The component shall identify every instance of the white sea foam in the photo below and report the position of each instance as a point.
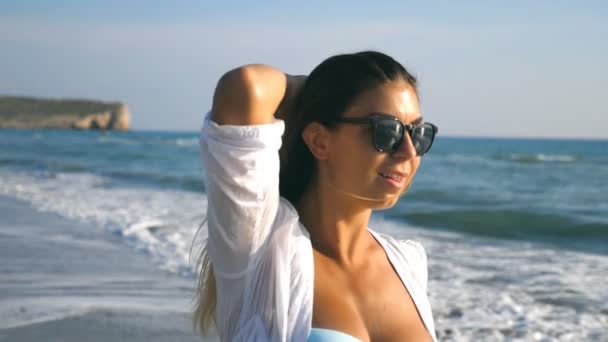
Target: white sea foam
(481, 290)
(135, 213)
(187, 142)
(541, 157)
(556, 158)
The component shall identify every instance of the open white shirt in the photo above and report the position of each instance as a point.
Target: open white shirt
(260, 251)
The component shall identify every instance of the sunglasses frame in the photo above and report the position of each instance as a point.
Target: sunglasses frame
(373, 119)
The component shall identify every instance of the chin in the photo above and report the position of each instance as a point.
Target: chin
(386, 203)
(389, 203)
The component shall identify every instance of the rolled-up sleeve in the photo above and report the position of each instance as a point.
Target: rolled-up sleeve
(241, 178)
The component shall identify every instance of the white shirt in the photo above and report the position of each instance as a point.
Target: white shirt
(261, 253)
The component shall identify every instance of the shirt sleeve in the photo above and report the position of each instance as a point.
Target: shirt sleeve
(241, 179)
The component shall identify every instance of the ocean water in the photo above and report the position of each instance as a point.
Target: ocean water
(516, 230)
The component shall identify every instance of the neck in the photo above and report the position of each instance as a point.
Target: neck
(337, 223)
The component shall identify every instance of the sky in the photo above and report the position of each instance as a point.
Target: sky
(486, 68)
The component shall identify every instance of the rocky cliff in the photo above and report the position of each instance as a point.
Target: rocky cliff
(27, 112)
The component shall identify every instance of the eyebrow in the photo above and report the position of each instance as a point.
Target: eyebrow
(418, 120)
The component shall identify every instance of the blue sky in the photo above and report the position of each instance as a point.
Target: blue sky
(492, 68)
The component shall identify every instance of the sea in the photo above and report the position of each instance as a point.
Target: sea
(516, 233)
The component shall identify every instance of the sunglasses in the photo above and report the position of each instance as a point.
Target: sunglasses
(388, 132)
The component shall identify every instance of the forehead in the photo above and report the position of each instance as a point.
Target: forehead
(395, 98)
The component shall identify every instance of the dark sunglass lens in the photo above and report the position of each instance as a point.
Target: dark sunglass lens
(387, 134)
(422, 138)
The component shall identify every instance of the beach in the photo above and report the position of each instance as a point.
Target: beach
(96, 233)
(61, 280)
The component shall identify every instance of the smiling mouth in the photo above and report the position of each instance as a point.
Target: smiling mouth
(392, 176)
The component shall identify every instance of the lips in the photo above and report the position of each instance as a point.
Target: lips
(393, 175)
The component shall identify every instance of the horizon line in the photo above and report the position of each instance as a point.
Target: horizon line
(449, 136)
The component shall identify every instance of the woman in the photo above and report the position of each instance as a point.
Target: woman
(290, 256)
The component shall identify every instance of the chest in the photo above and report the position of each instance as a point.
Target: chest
(369, 302)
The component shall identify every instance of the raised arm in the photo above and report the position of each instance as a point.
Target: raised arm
(239, 144)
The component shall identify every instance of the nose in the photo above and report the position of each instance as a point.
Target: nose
(406, 148)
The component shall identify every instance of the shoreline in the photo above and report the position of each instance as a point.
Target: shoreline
(64, 281)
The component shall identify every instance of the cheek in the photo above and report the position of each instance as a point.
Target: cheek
(361, 158)
(415, 163)
(355, 160)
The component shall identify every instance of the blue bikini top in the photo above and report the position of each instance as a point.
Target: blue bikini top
(327, 335)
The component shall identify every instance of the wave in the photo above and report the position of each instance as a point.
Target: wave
(115, 140)
(15, 314)
(187, 142)
(538, 158)
(509, 223)
(436, 197)
(171, 141)
(50, 168)
(42, 165)
(191, 183)
(159, 222)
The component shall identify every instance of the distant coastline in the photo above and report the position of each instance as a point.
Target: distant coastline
(32, 113)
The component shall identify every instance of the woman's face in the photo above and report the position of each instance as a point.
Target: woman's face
(355, 167)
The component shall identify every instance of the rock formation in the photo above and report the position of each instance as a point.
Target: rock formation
(28, 113)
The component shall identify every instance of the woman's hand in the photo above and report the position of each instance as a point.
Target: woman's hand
(293, 86)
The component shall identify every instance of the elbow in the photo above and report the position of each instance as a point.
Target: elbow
(235, 98)
(241, 79)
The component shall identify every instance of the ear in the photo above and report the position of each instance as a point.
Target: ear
(316, 137)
